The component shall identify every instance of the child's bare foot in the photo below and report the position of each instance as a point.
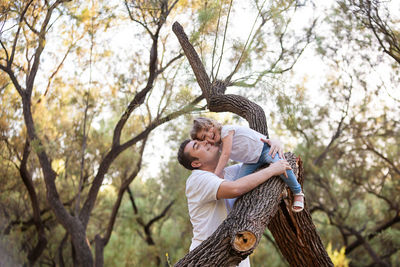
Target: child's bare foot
(298, 204)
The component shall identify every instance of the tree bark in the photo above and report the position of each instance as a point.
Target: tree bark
(35, 252)
(99, 250)
(240, 233)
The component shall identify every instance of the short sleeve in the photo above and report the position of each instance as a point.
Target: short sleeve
(226, 129)
(203, 187)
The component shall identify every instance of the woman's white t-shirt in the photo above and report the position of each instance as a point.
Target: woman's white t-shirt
(246, 143)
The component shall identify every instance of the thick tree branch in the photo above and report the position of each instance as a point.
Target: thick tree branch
(241, 106)
(101, 242)
(14, 80)
(141, 95)
(216, 100)
(157, 218)
(374, 233)
(122, 189)
(35, 253)
(153, 72)
(378, 261)
(194, 60)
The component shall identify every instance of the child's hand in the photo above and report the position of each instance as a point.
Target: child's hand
(276, 147)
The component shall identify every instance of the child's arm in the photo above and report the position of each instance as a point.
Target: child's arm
(225, 154)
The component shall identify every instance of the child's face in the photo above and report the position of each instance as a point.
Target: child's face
(210, 135)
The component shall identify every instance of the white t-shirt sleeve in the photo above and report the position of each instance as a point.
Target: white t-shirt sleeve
(226, 129)
(203, 187)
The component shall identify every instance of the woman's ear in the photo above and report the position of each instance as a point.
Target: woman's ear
(196, 164)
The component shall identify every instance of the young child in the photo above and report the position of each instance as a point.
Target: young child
(242, 144)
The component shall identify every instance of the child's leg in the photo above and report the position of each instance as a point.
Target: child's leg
(245, 169)
(291, 181)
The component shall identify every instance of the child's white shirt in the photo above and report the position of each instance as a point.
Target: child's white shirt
(246, 143)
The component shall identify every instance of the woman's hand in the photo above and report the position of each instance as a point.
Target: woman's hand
(276, 147)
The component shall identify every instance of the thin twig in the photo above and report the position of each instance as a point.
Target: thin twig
(223, 40)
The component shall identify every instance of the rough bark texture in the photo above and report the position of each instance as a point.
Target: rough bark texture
(294, 233)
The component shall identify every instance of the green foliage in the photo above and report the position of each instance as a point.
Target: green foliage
(267, 254)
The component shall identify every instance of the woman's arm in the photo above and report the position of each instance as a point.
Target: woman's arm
(225, 154)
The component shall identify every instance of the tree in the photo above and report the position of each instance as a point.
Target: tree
(25, 93)
(30, 28)
(375, 16)
(349, 143)
(239, 234)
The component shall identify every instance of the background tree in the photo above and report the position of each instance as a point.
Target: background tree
(375, 16)
(349, 143)
(75, 220)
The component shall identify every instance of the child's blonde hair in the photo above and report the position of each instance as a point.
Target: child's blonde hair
(201, 123)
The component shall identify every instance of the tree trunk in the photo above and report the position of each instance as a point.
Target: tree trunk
(240, 233)
(72, 224)
(296, 235)
(26, 176)
(99, 251)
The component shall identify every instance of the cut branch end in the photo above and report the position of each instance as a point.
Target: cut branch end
(244, 241)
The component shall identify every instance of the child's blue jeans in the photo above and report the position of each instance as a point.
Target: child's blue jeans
(248, 168)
